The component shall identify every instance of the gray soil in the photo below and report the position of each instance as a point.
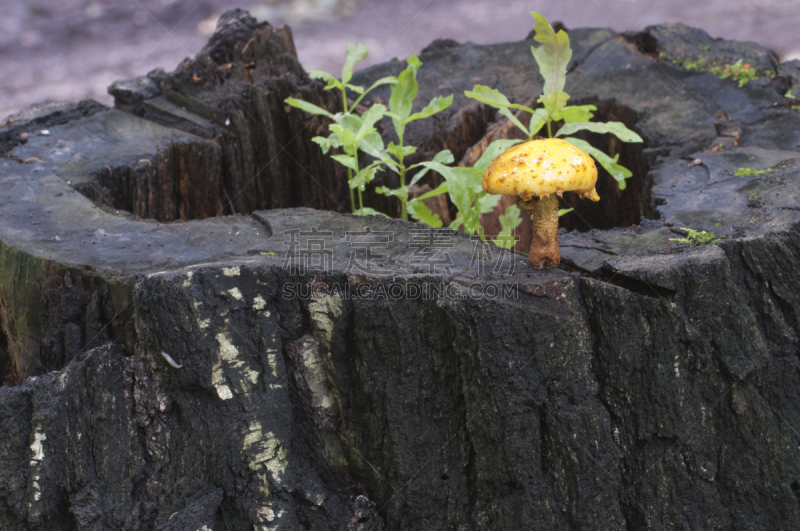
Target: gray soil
(73, 49)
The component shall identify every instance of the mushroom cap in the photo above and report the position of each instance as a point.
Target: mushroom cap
(540, 168)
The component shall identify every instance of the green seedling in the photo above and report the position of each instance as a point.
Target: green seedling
(350, 132)
(553, 56)
(403, 93)
(465, 190)
(697, 238)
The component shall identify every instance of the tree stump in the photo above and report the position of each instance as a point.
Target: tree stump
(288, 366)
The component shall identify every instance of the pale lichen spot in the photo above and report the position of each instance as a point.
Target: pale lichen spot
(230, 356)
(235, 293)
(272, 359)
(220, 383)
(259, 303)
(231, 271)
(37, 447)
(188, 281)
(203, 323)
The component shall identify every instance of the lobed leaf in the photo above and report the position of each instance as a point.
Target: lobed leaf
(493, 98)
(330, 79)
(421, 212)
(308, 107)
(509, 220)
(504, 111)
(439, 190)
(553, 103)
(382, 81)
(617, 171)
(552, 56)
(576, 113)
(345, 160)
(491, 152)
(618, 129)
(355, 54)
(364, 176)
(368, 120)
(404, 91)
(443, 157)
(486, 202)
(437, 104)
(367, 211)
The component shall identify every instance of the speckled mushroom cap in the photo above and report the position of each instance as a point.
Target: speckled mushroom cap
(540, 168)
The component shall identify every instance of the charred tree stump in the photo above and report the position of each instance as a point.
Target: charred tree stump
(167, 367)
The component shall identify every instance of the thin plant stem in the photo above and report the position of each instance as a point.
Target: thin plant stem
(352, 192)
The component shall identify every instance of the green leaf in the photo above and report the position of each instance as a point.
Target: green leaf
(552, 56)
(308, 107)
(509, 220)
(364, 176)
(541, 120)
(576, 113)
(472, 222)
(439, 190)
(494, 149)
(562, 211)
(345, 135)
(400, 152)
(327, 143)
(617, 171)
(486, 202)
(443, 157)
(460, 183)
(372, 145)
(514, 120)
(355, 54)
(404, 91)
(421, 212)
(368, 119)
(616, 128)
(505, 239)
(493, 97)
(366, 211)
(400, 193)
(382, 81)
(345, 160)
(553, 103)
(437, 104)
(330, 79)
(355, 88)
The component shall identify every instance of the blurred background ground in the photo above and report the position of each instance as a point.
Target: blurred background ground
(73, 49)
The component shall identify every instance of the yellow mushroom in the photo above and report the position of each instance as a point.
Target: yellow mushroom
(535, 172)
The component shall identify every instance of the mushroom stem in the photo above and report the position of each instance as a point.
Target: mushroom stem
(545, 252)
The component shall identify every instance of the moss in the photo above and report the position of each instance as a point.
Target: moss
(697, 238)
(22, 279)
